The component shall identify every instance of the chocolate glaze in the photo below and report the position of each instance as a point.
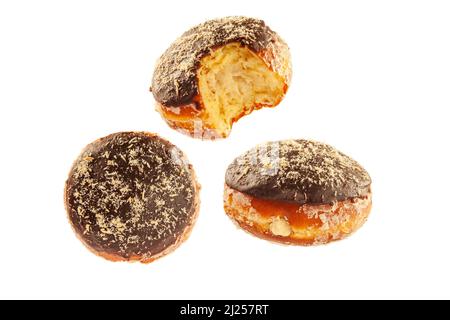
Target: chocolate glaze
(131, 194)
(175, 76)
(298, 171)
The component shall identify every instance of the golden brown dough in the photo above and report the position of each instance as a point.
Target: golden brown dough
(219, 71)
(297, 192)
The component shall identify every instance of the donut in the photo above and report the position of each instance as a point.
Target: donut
(297, 192)
(131, 196)
(219, 71)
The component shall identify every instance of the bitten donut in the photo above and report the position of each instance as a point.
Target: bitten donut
(219, 71)
(297, 192)
(132, 196)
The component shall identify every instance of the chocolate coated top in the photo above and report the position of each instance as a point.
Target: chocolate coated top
(130, 194)
(175, 76)
(299, 171)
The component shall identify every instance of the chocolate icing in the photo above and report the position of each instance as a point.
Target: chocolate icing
(175, 76)
(298, 171)
(131, 194)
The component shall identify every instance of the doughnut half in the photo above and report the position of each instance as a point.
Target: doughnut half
(219, 71)
(297, 192)
(132, 196)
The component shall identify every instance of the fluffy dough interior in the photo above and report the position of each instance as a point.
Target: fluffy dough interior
(234, 81)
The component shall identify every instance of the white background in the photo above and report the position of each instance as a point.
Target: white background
(371, 78)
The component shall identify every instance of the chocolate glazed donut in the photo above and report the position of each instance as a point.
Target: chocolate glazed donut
(219, 71)
(132, 196)
(297, 192)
